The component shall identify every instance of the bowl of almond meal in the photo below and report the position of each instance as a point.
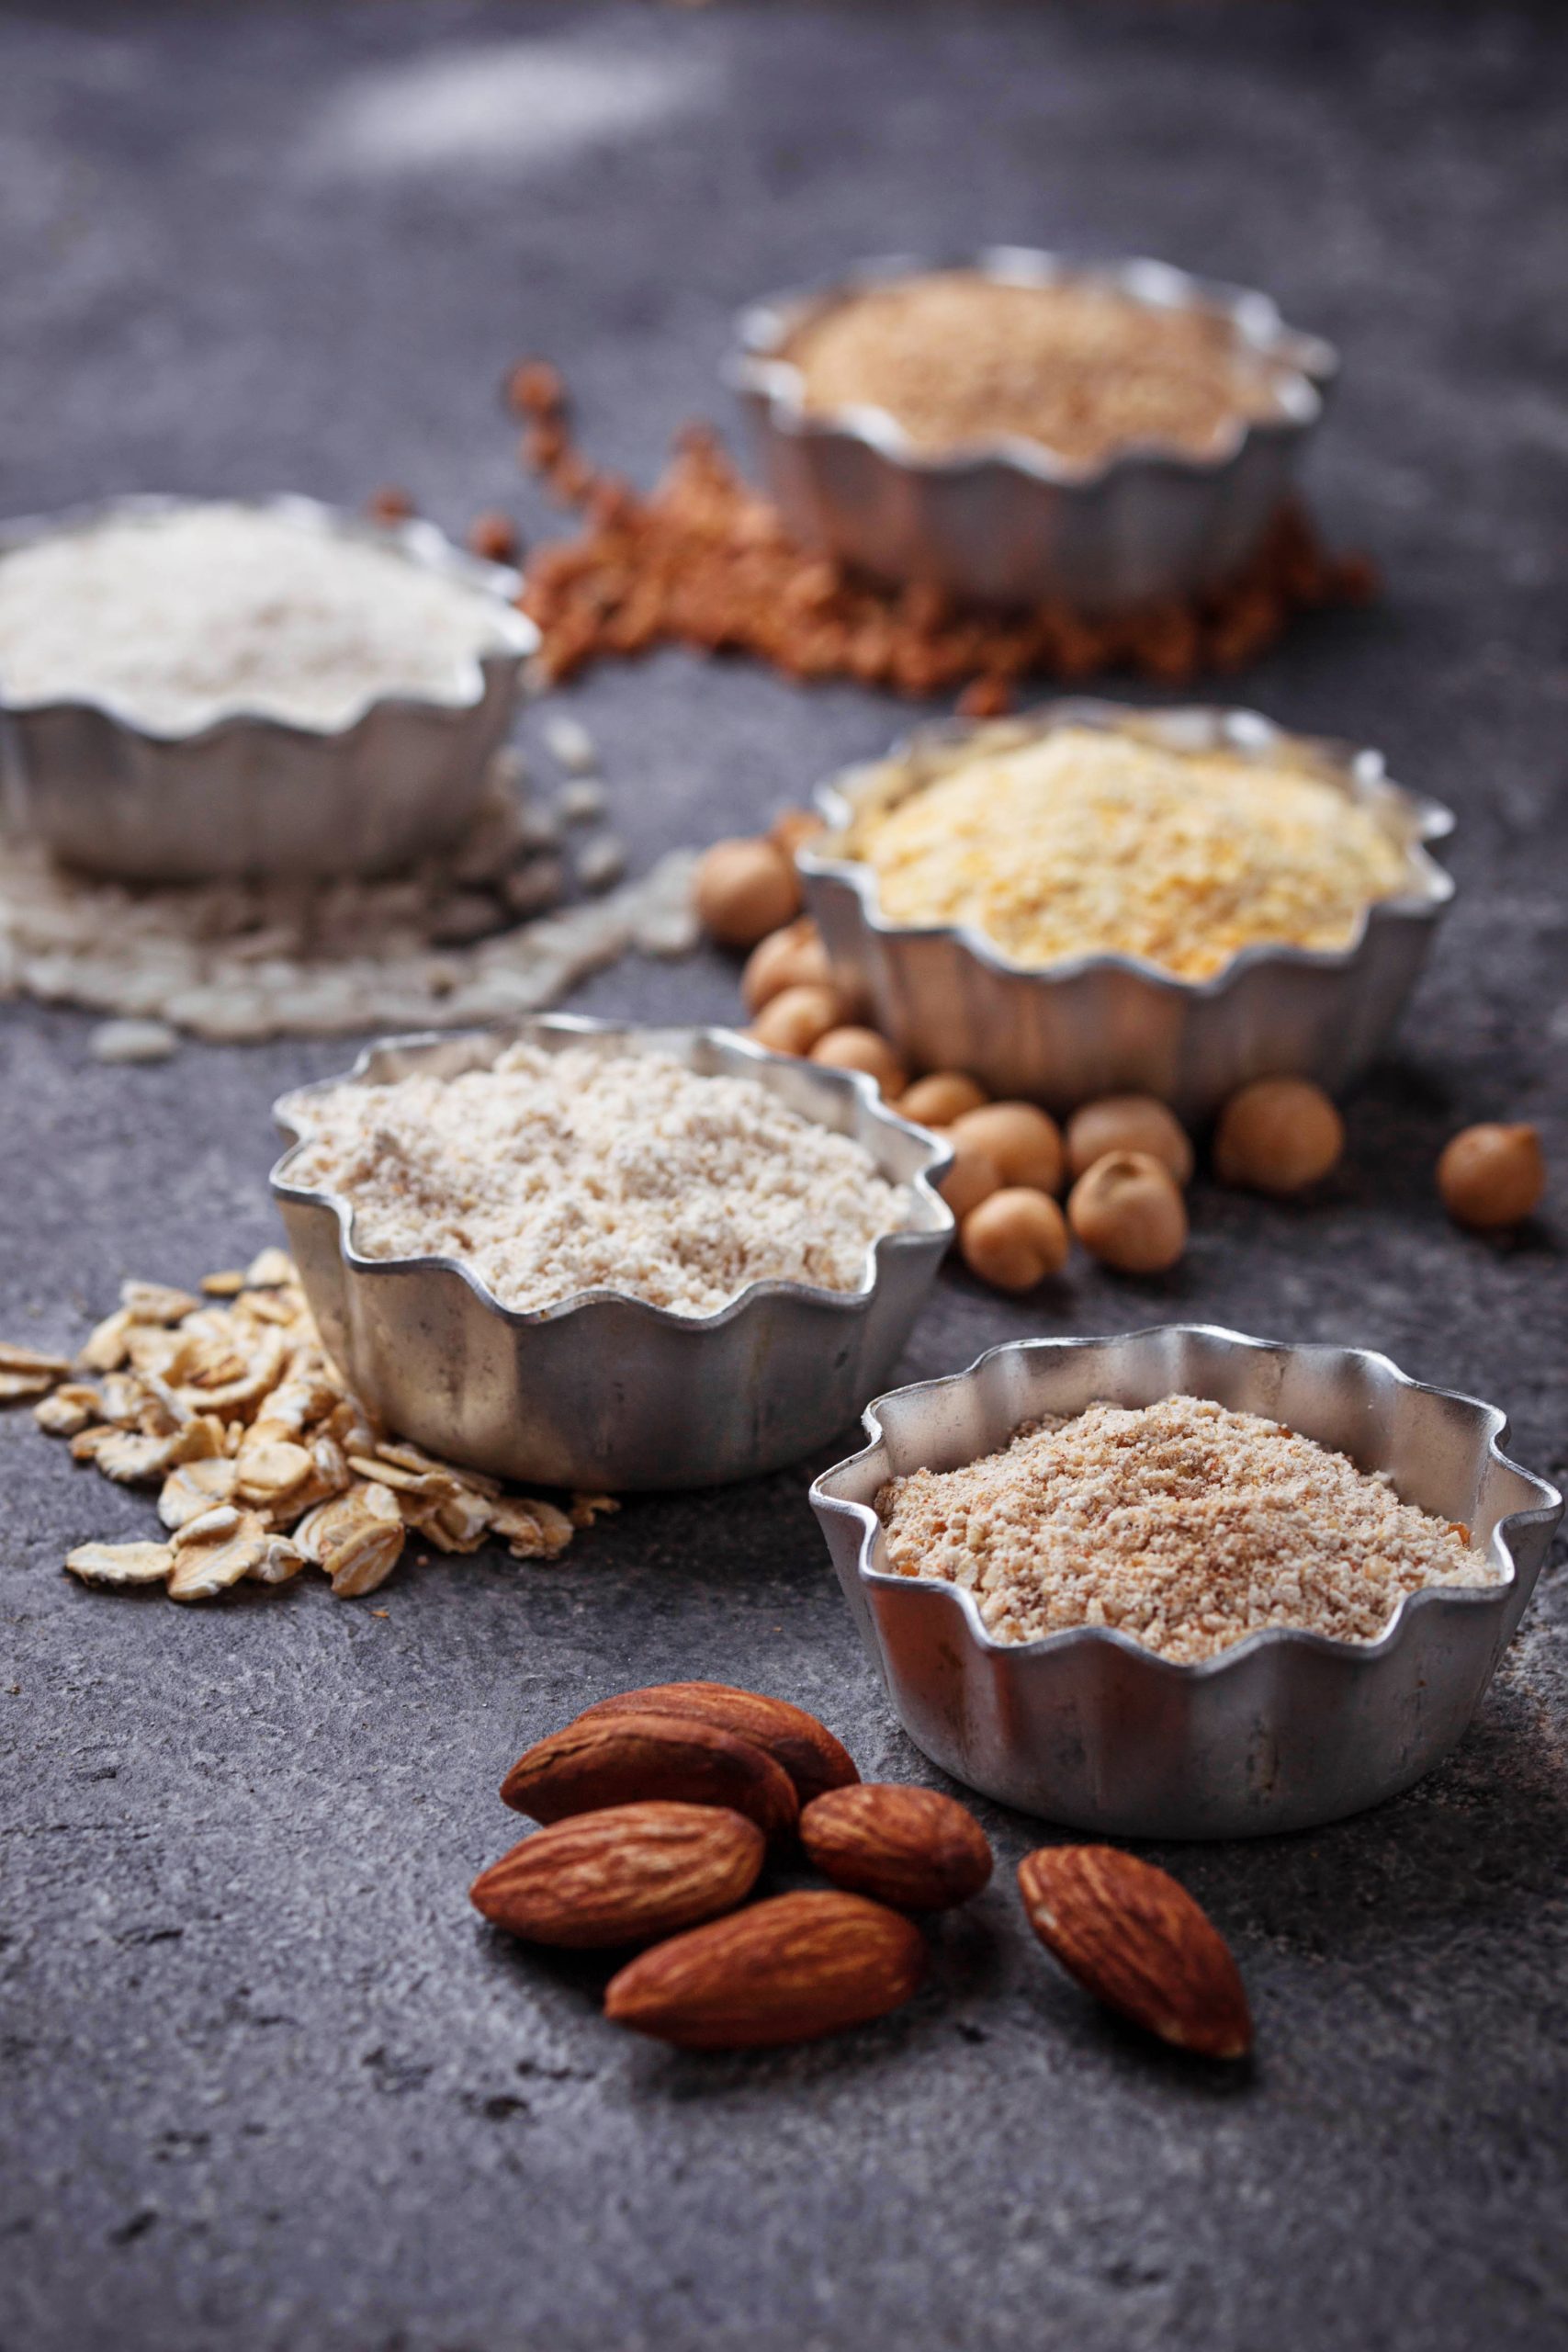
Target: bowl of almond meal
(1089, 899)
(1013, 427)
(1184, 1583)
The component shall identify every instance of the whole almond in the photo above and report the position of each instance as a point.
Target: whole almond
(1138, 1941)
(624, 1875)
(787, 1970)
(914, 1847)
(814, 1759)
(622, 1759)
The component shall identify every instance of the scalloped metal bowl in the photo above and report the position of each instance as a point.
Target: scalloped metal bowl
(1282, 1732)
(1011, 524)
(250, 795)
(604, 1390)
(949, 999)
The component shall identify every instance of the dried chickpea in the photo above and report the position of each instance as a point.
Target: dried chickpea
(1024, 1143)
(1277, 1135)
(1015, 1239)
(792, 1022)
(937, 1100)
(1492, 1175)
(973, 1177)
(743, 890)
(789, 958)
(863, 1049)
(1128, 1212)
(1128, 1123)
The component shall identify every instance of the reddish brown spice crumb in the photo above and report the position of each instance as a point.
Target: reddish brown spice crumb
(495, 536)
(534, 389)
(389, 504)
(703, 561)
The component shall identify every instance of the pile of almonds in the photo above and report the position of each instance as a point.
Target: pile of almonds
(704, 562)
(660, 1807)
(266, 1460)
(1123, 1160)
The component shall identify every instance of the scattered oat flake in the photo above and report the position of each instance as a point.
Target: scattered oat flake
(132, 1041)
(30, 1363)
(570, 744)
(22, 1387)
(224, 1285)
(266, 1461)
(112, 1565)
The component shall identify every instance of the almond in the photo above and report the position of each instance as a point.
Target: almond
(620, 1760)
(624, 1875)
(914, 1847)
(811, 1756)
(1138, 1943)
(787, 1970)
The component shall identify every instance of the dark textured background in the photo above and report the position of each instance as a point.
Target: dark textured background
(266, 2082)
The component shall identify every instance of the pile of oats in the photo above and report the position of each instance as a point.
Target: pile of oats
(1181, 1524)
(266, 1462)
(477, 934)
(554, 1173)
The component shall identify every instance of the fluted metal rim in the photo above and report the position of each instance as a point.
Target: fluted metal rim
(1307, 365)
(568, 1028)
(1489, 1424)
(1362, 768)
(417, 541)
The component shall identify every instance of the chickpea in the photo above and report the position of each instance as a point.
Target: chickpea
(937, 1100)
(1128, 1123)
(1128, 1212)
(863, 1049)
(743, 890)
(789, 958)
(792, 1022)
(1277, 1135)
(1015, 1239)
(973, 1177)
(1492, 1175)
(1024, 1143)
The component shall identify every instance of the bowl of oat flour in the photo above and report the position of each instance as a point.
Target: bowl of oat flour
(194, 691)
(608, 1257)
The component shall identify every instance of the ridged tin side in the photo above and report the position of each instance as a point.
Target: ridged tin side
(949, 999)
(1014, 523)
(1286, 1730)
(255, 795)
(604, 1390)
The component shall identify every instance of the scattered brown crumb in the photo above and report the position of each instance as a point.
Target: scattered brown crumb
(1181, 1524)
(703, 561)
(390, 504)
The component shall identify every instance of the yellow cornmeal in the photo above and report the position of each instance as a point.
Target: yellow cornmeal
(1086, 843)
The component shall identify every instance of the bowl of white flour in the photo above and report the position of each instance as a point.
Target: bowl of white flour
(194, 690)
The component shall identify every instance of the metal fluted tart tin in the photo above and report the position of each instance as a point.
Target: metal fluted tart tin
(248, 793)
(1060, 1033)
(1011, 523)
(1285, 1730)
(604, 1390)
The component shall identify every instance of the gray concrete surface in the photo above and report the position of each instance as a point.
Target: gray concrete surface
(267, 2083)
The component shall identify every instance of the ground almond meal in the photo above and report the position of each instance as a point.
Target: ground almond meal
(956, 358)
(1182, 1524)
(1089, 842)
(555, 1173)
